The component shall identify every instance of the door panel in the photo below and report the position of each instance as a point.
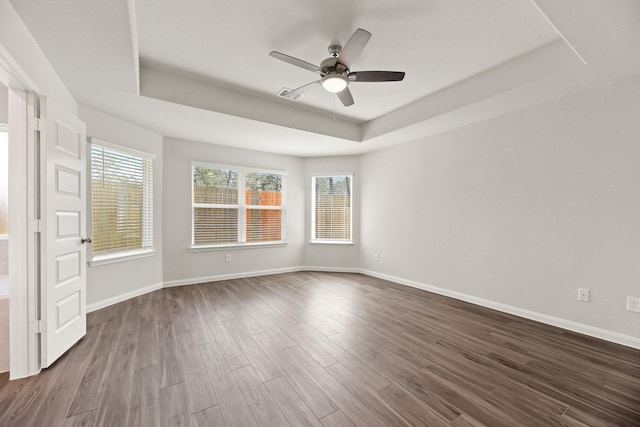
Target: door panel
(63, 289)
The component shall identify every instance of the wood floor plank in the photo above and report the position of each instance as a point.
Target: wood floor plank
(24, 409)
(200, 392)
(170, 367)
(92, 386)
(275, 333)
(313, 395)
(367, 395)
(80, 357)
(114, 408)
(232, 353)
(264, 409)
(210, 417)
(263, 365)
(412, 408)
(293, 407)
(355, 409)
(234, 408)
(86, 419)
(319, 354)
(148, 343)
(174, 411)
(55, 406)
(356, 365)
(337, 419)
(10, 392)
(145, 398)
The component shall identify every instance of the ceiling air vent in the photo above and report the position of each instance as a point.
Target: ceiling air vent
(284, 91)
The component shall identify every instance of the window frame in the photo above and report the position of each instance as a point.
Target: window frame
(315, 240)
(127, 254)
(242, 209)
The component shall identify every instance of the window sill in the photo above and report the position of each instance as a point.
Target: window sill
(332, 242)
(121, 257)
(206, 248)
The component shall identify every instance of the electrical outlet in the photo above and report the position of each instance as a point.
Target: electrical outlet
(583, 295)
(227, 258)
(633, 304)
(376, 256)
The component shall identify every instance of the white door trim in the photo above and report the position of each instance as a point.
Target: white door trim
(23, 262)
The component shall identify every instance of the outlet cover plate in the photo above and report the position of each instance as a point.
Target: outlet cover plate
(584, 295)
(633, 304)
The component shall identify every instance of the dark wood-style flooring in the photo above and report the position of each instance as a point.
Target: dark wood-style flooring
(323, 349)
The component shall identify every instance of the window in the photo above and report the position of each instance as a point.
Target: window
(331, 207)
(4, 182)
(121, 201)
(236, 206)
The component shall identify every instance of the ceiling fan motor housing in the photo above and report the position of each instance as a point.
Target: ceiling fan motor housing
(334, 50)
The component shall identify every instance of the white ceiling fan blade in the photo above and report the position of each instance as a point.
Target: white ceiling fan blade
(345, 97)
(295, 61)
(354, 47)
(301, 90)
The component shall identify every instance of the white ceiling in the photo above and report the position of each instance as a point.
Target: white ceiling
(200, 69)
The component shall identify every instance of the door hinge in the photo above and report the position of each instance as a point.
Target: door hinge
(36, 226)
(39, 326)
(36, 123)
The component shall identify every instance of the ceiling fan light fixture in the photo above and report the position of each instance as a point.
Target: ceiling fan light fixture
(334, 83)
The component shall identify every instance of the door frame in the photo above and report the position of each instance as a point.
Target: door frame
(24, 227)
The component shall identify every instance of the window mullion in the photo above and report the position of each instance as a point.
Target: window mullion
(242, 208)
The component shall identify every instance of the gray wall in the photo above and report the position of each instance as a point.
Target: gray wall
(521, 210)
(129, 276)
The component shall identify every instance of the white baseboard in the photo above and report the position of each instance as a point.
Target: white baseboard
(122, 297)
(217, 278)
(580, 328)
(331, 269)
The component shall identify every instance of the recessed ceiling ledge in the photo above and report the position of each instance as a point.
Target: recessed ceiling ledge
(195, 93)
(554, 57)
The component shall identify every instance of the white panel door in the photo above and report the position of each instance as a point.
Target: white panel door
(64, 252)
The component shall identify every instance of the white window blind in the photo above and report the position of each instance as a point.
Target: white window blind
(332, 208)
(236, 205)
(122, 200)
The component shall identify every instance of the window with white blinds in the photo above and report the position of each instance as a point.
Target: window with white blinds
(234, 205)
(121, 200)
(332, 208)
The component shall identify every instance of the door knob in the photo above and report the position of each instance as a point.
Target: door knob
(84, 240)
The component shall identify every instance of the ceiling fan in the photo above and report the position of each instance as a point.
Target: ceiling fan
(335, 71)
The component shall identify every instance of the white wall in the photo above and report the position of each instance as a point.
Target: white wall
(17, 41)
(131, 276)
(332, 257)
(183, 266)
(520, 210)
